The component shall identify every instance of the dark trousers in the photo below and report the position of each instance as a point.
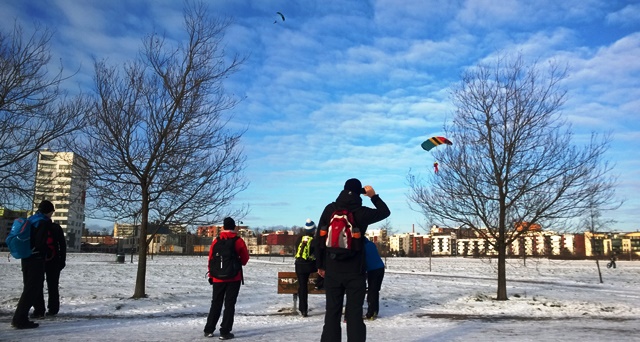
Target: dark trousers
(227, 294)
(33, 282)
(52, 275)
(303, 291)
(374, 283)
(336, 286)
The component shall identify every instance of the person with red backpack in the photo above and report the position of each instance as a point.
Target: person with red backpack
(55, 261)
(227, 254)
(340, 258)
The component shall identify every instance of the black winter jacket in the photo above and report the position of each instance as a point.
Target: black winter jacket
(57, 246)
(363, 217)
(39, 234)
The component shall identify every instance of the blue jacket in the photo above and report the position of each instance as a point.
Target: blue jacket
(372, 258)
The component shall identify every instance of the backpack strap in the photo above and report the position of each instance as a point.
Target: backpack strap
(235, 239)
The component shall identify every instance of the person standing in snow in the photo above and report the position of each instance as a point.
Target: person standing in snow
(54, 263)
(375, 274)
(347, 276)
(225, 290)
(305, 263)
(33, 266)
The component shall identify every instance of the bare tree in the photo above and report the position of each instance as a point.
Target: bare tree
(388, 228)
(512, 164)
(158, 144)
(34, 111)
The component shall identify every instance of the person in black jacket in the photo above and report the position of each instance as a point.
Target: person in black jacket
(33, 267)
(225, 290)
(305, 263)
(54, 263)
(347, 276)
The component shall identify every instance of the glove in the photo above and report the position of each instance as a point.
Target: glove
(210, 280)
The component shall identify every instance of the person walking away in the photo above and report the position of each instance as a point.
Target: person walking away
(344, 273)
(613, 261)
(305, 263)
(33, 266)
(227, 254)
(375, 275)
(55, 261)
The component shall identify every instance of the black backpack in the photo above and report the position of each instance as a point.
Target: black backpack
(225, 263)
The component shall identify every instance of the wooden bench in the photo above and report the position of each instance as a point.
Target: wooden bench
(288, 284)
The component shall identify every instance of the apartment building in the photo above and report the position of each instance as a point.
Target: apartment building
(61, 178)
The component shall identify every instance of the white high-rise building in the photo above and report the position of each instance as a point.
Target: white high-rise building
(61, 178)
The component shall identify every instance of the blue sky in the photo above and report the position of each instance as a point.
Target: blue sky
(350, 88)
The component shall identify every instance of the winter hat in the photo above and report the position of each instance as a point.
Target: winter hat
(229, 224)
(354, 186)
(46, 207)
(309, 226)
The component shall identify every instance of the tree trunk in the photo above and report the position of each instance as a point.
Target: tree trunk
(502, 277)
(502, 252)
(599, 272)
(139, 291)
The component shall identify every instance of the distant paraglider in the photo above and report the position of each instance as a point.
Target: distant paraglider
(432, 142)
(281, 16)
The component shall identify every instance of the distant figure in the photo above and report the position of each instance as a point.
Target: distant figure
(344, 269)
(305, 263)
(612, 263)
(375, 274)
(281, 17)
(33, 266)
(226, 285)
(54, 263)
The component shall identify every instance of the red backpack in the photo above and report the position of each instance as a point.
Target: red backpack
(342, 236)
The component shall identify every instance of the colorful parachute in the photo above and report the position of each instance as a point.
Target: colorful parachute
(435, 141)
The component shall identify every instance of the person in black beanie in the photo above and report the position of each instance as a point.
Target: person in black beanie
(225, 290)
(54, 263)
(347, 276)
(33, 266)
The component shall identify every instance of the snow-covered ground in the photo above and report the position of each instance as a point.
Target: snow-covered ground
(442, 299)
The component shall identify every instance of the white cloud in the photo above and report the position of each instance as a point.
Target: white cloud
(515, 14)
(627, 16)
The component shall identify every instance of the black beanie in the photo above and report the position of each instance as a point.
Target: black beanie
(229, 224)
(46, 207)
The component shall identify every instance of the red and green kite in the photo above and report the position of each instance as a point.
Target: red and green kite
(435, 141)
